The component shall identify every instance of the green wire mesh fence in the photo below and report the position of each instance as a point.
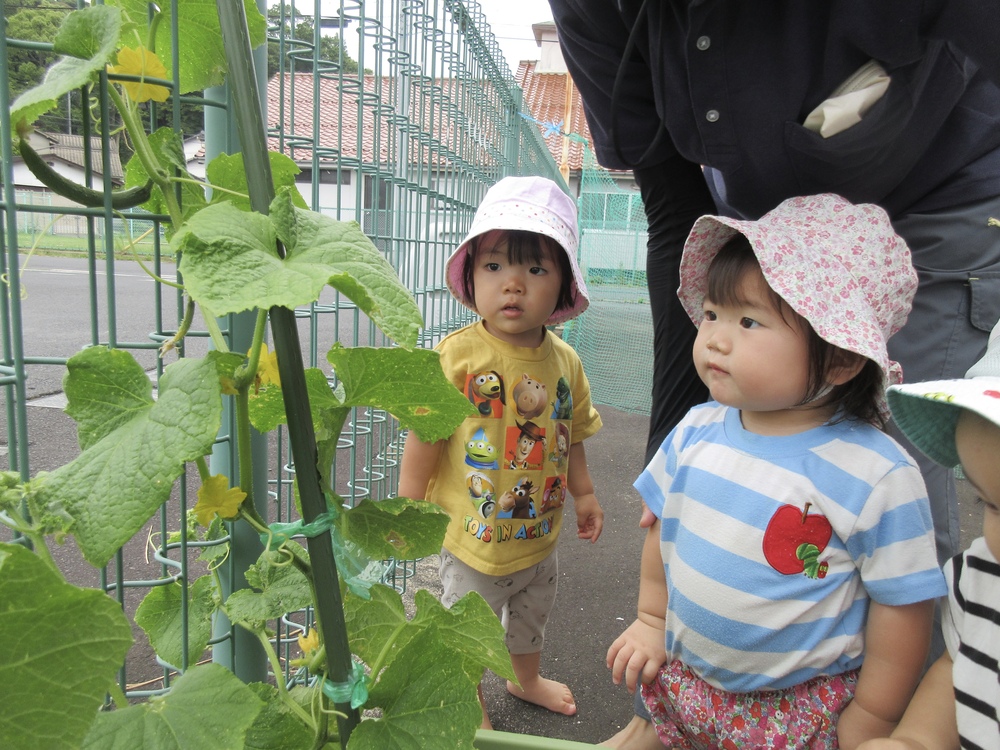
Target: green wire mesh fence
(400, 115)
(614, 337)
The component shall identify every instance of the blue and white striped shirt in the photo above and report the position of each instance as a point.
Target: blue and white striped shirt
(773, 546)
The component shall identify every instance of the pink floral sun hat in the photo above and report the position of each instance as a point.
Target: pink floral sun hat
(840, 266)
(530, 204)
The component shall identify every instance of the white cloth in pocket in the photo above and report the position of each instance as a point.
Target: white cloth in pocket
(849, 102)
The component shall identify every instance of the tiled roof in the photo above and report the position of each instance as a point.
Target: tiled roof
(437, 139)
(337, 129)
(69, 148)
(545, 98)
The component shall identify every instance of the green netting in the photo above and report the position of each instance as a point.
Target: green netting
(614, 337)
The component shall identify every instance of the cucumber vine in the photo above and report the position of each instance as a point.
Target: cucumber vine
(420, 673)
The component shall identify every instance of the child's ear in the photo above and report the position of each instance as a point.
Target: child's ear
(845, 366)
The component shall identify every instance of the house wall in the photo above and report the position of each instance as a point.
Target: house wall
(23, 178)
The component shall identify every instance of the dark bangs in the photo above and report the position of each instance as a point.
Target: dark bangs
(522, 248)
(728, 270)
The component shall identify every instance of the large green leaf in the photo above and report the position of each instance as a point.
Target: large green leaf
(410, 385)
(60, 647)
(134, 447)
(470, 628)
(207, 708)
(87, 38)
(401, 528)
(428, 702)
(160, 615)
(474, 634)
(105, 389)
(276, 726)
(277, 588)
(375, 622)
(230, 264)
(267, 405)
(201, 57)
(267, 411)
(227, 171)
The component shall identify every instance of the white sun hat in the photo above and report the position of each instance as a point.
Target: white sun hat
(529, 204)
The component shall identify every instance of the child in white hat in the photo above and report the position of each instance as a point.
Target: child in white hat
(517, 269)
(958, 422)
(788, 582)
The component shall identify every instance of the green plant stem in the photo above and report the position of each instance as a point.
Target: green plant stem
(250, 515)
(204, 473)
(215, 188)
(145, 153)
(130, 249)
(376, 667)
(248, 373)
(243, 450)
(182, 329)
(214, 332)
(286, 697)
(151, 36)
(37, 539)
(115, 691)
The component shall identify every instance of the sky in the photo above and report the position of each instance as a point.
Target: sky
(511, 22)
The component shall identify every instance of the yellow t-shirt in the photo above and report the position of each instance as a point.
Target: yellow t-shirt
(502, 475)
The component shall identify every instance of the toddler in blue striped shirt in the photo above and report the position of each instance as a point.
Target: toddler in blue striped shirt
(788, 583)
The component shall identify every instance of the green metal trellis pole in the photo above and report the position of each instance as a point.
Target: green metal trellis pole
(329, 607)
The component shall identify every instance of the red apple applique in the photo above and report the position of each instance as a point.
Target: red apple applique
(794, 540)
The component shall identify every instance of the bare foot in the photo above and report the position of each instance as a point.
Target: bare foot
(638, 734)
(546, 693)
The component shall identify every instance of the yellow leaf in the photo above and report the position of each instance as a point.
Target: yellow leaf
(144, 63)
(215, 496)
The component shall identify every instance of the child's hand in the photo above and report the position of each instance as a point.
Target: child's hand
(637, 655)
(589, 517)
(857, 725)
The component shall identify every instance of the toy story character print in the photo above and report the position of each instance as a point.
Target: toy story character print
(516, 502)
(560, 446)
(530, 397)
(486, 392)
(562, 407)
(480, 453)
(525, 446)
(554, 495)
(481, 492)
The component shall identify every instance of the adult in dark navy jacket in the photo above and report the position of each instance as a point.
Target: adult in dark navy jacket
(670, 87)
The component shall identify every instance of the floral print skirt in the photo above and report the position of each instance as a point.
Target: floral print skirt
(689, 713)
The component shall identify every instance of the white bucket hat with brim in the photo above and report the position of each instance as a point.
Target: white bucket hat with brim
(529, 204)
(927, 413)
(840, 266)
